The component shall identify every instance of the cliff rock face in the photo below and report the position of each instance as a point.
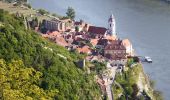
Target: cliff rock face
(143, 84)
(133, 84)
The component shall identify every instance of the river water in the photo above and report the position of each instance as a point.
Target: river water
(145, 22)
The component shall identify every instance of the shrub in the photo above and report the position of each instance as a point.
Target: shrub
(43, 12)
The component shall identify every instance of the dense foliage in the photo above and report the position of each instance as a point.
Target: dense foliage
(21, 83)
(127, 81)
(42, 11)
(99, 67)
(53, 67)
(126, 84)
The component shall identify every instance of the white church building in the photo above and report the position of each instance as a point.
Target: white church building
(112, 32)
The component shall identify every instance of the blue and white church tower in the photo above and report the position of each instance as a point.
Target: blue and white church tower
(112, 26)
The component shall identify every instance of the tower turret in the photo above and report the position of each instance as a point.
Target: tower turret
(112, 26)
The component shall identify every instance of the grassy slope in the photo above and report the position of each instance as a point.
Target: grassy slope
(33, 50)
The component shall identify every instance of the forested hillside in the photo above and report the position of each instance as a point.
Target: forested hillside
(34, 68)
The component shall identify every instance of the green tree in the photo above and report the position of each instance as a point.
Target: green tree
(70, 13)
(135, 91)
(54, 14)
(19, 82)
(2, 18)
(77, 29)
(28, 5)
(43, 12)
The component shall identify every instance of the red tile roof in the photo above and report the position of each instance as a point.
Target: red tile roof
(61, 41)
(103, 42)
(51, 34)
(115, 45)
(84, 49)
(54, 33)
(97, 30)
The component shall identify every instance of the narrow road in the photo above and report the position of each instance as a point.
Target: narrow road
(109, 83)
(109, 92)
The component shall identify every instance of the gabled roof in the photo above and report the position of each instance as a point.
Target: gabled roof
(84, 49)
(115, 45)
(61, 41)
(51, 34)
(103, 42)
(97, 30)
(54, 33)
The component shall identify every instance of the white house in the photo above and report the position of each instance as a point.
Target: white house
(128, 46)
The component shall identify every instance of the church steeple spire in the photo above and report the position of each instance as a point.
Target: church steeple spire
(112, 26)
